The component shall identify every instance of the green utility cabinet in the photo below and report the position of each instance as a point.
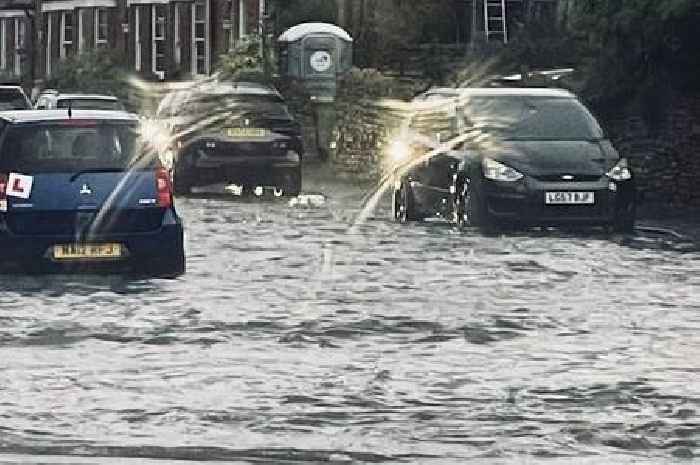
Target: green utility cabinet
(315, 54)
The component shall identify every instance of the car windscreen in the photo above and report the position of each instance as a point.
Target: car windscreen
(11, 99)
(89, 104)
(244, 105)
(536, 118)
(73, 146)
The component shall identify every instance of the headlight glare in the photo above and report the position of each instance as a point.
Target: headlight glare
(620, 172)
(497, 171)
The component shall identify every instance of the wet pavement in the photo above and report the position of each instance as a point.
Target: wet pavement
(293, 339)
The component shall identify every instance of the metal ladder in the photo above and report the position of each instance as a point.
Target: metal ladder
(495, 20)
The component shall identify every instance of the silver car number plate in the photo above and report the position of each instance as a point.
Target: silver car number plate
(569, 198)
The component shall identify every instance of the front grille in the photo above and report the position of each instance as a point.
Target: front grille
(69, 223)
(576, 177)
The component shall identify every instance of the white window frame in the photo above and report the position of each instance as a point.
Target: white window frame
(98, 15)
(20, 38)
(48, 19)
(261, 13)
(205, 39)
(177, 49)
(3, 44)
(64, 42)
(242, 19)
(137, 38)
(81, 41)
(155, 38)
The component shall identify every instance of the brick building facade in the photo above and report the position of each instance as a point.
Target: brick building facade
(163, 39)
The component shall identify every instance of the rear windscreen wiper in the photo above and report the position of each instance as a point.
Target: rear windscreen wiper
(95, 170)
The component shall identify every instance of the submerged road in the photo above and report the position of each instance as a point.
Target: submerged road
(291, 340)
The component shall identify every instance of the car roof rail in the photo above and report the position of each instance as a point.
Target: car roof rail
(539, 78)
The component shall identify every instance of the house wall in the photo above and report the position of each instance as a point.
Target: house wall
(184, 37)
(15, 45)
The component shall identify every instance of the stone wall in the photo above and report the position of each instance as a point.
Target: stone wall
(665, 156)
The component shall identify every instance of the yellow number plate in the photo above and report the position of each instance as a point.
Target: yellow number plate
(86, 251)
(246, 132)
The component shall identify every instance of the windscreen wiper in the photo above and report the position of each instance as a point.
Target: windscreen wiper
(95, 170)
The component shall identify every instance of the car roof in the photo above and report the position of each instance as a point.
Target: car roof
(38, 116)
(110, 98)
(11, 87)
(501, 91)
(238, 88)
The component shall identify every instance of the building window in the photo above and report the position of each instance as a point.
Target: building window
(101, 27)
(177, 51)
(3, 44)
(200, 37)
(19, 44)
(66, 33)
(261, 15)
(137, 38)
(48, 20)
(158, 40)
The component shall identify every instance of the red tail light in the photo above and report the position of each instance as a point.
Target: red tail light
(164, 186)
(3, 192)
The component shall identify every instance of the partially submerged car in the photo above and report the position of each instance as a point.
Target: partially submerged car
(12, 97)
(77, 192)
(51, 100)
(530, 157)
(236, 133)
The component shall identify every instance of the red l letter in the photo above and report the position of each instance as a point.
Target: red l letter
(17, 186)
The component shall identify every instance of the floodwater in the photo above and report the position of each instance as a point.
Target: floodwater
(292, 341)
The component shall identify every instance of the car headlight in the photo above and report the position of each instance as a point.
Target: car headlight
(497, 171)
(293, 157)
(620, 172)
(279, 145)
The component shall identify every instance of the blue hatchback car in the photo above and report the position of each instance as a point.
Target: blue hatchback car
(79, 192)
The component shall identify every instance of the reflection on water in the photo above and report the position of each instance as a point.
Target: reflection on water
(291, 340)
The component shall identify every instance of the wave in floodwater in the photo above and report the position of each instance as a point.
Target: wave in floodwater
(294, 338)
(290, 340)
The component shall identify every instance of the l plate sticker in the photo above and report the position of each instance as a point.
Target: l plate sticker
(19, 185)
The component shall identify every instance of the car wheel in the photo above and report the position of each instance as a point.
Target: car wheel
(182, 185)
(460, 199)
(170, 267)
(293, 183)
(624, 221)
(404, 209)
(469, 208)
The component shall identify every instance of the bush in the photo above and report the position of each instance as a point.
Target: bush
(97, 71)
(245, 62)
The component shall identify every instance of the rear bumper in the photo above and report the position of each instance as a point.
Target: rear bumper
(238, 169)
(145, 252)
(523, 202)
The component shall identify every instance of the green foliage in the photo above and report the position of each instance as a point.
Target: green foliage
(384, 29)
(624, 51)
(361, 84)
(245, 62)
(289, 13)
(97, 71)
(634, 48)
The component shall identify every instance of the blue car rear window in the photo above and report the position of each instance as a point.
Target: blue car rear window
(11, 99)
(69, 147)
(89, 104)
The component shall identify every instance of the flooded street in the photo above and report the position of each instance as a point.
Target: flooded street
(291, 340)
